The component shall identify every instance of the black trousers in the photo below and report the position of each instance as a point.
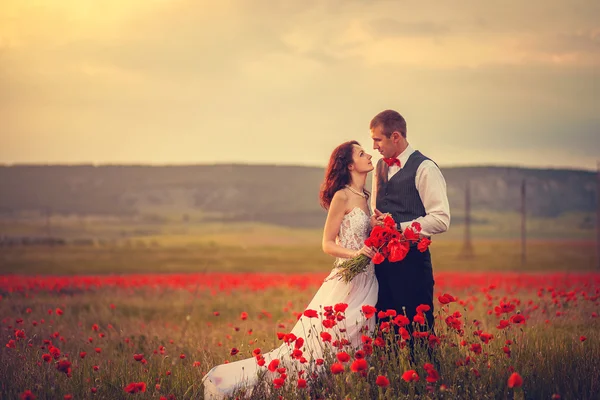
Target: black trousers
(406, 284)
(403, 286)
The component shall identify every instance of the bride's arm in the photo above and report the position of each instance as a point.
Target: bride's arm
(335, 215)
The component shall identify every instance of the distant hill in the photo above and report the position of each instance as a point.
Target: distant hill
(285, 195)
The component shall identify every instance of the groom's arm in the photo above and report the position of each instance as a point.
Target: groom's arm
(432, 189)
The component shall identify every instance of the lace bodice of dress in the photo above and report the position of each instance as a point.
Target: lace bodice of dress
(353, 231)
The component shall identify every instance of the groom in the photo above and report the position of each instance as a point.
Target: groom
(411, 188)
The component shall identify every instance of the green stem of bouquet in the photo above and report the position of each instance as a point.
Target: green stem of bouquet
(354, 266)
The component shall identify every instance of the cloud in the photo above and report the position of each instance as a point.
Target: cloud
(191, 81)
(392, 27)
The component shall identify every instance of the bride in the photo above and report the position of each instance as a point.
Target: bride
(347, 226)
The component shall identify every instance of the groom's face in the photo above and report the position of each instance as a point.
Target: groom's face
(384, 145)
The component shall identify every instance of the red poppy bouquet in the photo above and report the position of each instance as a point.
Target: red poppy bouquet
(390, 243)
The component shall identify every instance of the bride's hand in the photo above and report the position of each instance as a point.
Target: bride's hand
(367, 251)
(376, 218)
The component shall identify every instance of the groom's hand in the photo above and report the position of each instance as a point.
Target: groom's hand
(376, 218)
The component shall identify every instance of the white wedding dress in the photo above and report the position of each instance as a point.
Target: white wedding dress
(224, 379)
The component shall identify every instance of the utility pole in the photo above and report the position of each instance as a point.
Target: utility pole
(467, 245)
(523, 223)
(48, 226)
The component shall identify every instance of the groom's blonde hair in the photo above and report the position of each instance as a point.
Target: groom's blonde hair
(391, 121)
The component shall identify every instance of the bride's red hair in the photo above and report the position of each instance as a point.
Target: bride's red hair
(337, 174)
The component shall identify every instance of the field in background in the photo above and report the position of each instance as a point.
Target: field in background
(490, 255)
(164, 313)
(164, 227)
(111, 245)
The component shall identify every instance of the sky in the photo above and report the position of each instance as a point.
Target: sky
(508, 82)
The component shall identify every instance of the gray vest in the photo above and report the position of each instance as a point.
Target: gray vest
(399, 196)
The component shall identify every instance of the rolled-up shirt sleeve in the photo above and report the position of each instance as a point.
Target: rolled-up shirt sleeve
(431, 186)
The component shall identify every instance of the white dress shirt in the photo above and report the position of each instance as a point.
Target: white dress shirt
(431, 186)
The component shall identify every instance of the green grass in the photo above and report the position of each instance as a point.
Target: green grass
(132, 257)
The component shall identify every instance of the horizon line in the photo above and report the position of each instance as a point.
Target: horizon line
(215, 164)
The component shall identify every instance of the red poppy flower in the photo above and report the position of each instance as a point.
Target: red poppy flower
(135, 387)
(404, 333)
(328, 323)
(378, 258)
(486, 337)
(416, 226)
(273, 365)
(446, 298)
(138, 357)
(311, 314)
(515, 380)
(423, 308)
(389, 221)
(244, 316)
(382, 381)
(423, 244)
(410, 376)
(234, 351)
(517, 319)
(340, 307)
(503, 323)
(434, 340)
(401, 320)
(368, 311)
(27, 395)
(301, 383)
(343, 357)
(476, 348)
(337, 368)
(432, 375)
(397, 250)
(359, 365)
(325, 336)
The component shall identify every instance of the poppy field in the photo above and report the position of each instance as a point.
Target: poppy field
(497, 336)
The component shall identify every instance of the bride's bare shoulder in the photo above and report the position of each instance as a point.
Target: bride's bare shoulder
(340, 195)
(339, 200)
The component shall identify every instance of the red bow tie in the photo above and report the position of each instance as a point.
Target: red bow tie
(391, 161)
